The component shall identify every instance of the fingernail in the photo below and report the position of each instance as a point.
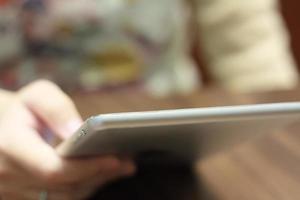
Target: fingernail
(71, 127)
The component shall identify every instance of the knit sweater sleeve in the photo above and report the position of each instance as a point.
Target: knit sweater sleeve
(246, 44)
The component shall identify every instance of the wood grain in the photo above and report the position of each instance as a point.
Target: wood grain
(264, 169)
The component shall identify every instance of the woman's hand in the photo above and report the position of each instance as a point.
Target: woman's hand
(28, 165)
(5, 99)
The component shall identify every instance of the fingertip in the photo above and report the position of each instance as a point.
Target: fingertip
(128, 168)
(109, 162)
(70, 128)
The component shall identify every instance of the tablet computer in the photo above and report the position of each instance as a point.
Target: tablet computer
(187, 133)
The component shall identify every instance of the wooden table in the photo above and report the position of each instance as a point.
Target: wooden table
(264, 169)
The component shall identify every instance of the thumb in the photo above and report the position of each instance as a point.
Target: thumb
(52, 106)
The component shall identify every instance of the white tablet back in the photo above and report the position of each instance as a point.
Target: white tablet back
(188, 133)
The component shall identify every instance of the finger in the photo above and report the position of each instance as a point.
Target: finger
(54, 107)
(75, 194)
(78, 170)
(13, 189)
(101, 179)
(85, 188)
(5, 100)
(12, 175)
(40, 159)
(29, 194)
(22, 144)
(16, 192)
(16, 116)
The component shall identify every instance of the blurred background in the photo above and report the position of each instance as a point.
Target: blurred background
(167, 48)
(162, 46)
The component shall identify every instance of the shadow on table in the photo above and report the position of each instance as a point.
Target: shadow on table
(158, 178)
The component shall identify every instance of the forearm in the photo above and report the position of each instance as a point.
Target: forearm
(246, 44)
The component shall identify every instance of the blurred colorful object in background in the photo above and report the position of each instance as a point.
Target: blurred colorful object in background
(93, 44)
(69, 44)
(82, 45)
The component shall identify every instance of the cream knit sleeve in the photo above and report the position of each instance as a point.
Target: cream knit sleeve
(246, 44)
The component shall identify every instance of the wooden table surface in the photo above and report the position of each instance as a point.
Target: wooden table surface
(265, 169)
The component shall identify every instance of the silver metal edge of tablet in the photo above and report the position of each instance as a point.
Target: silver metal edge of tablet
(194, 115)
(180, 116)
